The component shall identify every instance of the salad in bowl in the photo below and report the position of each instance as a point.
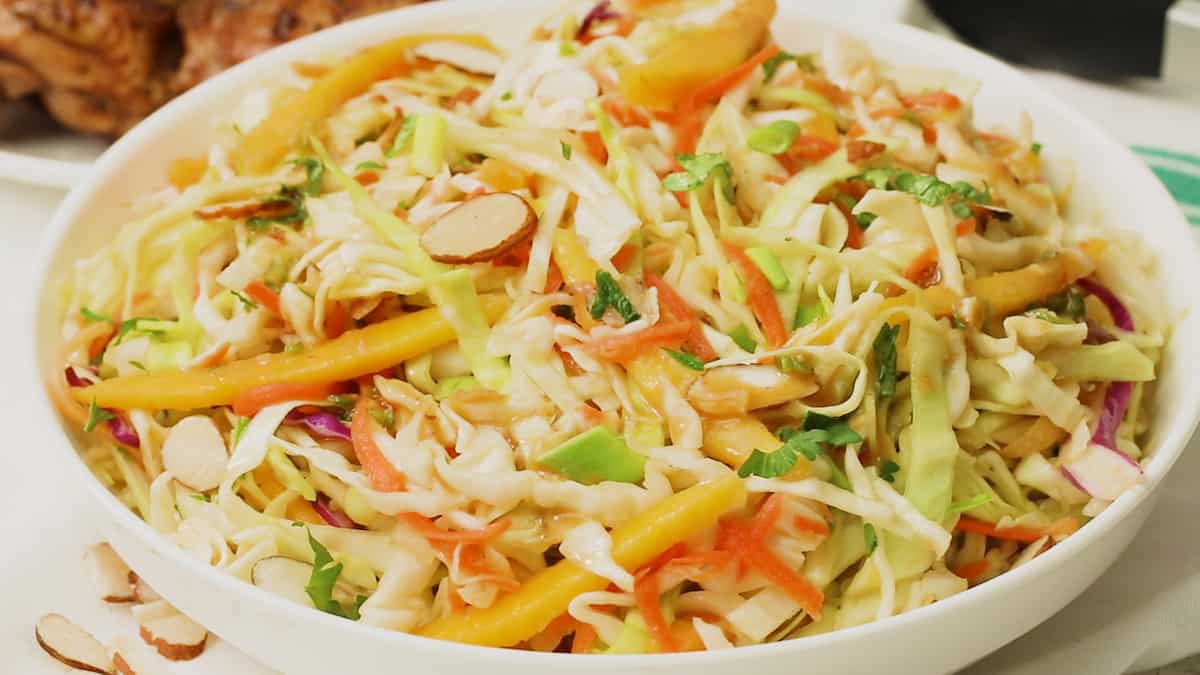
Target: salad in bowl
(645, 336)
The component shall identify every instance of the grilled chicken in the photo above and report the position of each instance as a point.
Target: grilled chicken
(100, 66)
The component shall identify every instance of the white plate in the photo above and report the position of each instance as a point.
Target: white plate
(1109, 180)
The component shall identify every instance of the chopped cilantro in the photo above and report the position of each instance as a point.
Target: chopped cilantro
(137, 364)
(1036, 148)
(288, 194)
(887, 471)
(685, 359)
(369, 166)
(314, 172)
(865, 219)
(506, 96)
(697, 169)
(609, 294)
(385, 416)
(247, 303)
(810, 441)
(1069, 304)
(805, 61)
(324, 576)
(94, 317)
(566, 149)
(885, 359)
(96, 417)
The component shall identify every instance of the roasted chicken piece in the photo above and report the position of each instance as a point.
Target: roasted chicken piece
(100, 66)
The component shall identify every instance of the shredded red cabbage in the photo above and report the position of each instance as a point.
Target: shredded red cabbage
(332, 515)
(603, 11)
(73, 378)
(1121, 316)
(123, 431)
(323, 424)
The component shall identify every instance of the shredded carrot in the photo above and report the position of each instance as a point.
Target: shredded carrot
(758, 291)
(517, 256)
(891, 111)
(811, 148)
(247, 403)
(668, 297)
(715, 89)
(934, 100)
(624, 257)
(366, 178)
(428, 529)
(215, 357)
(767, 517)
(627, 346)
(457, 604)
(645, 592)
(810, 526)
(380, 471)
(464, 95)
(965, 226)
(623, 112)
(923, 270)
(1022, 534)
(856, 130)
(738, 537)
(595, 146)
(472, 562)
(263, 295)
(585, 639)
(554, 279)
(337, 320)
(972, 570)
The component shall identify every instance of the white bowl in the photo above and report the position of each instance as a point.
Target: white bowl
(1109, 183)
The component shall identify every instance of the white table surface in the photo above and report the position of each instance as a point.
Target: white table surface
(44, 521)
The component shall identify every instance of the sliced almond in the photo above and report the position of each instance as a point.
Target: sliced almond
(131, 657)
(284, 577)
(245, 209)
(480, 228)
(176, 637)
(151, 611)
(142, 590)
(461, 56)
(195, 453)
(71, 645)
(109, 573)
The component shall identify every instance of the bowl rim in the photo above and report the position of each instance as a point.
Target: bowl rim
(1170, 444)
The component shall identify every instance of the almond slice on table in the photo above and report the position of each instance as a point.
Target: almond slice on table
(479, 229)
(131, 657)
(71, 645)
(110, 574)
(195, 453)
(464, 57)
(175, 636)
(142, 590)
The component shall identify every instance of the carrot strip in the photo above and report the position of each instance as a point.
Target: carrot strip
(624, 256)
(923, 269)
(428, 529)
(554, 279)
(645, 592)
(215, 358)
(595, 146)
(1022, 534)
(934, 100)
(965, 226)
(762, 300)
(263, 295)
(972, 570)
(623, 112)
(681, 311)
(457, 604)
(715, 89)
(627, 346)
(380, 471)
(250, 401)
(810, 526)
(811, 148)
(585, 639)
(337, 320)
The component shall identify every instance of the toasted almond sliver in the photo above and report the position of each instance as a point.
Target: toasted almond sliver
(71, 645)
(176, 637)
(109, 573)
(142, 590)
(195, 453)
(480, 228)
(131, 657)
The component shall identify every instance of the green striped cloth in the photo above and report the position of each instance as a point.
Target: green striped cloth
(1180, 172)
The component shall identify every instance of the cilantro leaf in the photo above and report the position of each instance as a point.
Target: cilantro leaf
(961, 210)
(506, 96)
(805, 61)
(929, 190)
(1070, 304)
(885, 359)
(288, 194)
(1036, 148)
(690, 361)
(324, 576)
(609, 294)
(774, 138)
(314, 173)
(871, 538)
(887, 471)
(94, 317)
(405, 133)
(697, 169)
(96, 417)
(865, 219)
(369, 166)
(385, 416)
(808, 441)
(566, 149)
(249, 304)
(968, 504)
